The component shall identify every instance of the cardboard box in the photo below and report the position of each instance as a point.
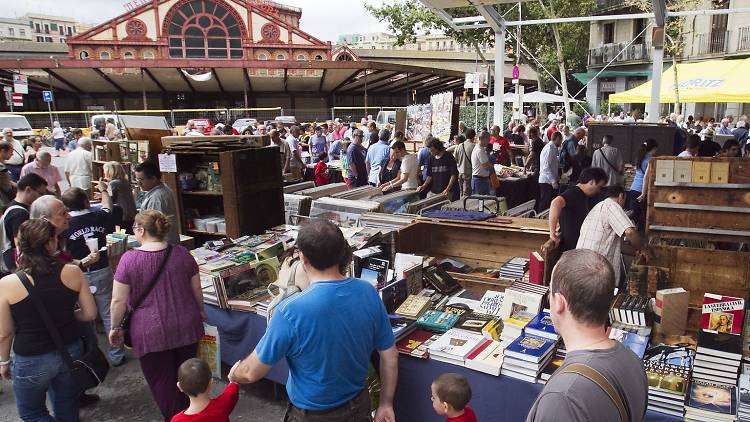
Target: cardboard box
(720, 172)
(683, 171)
(671, 310)
(701, 172)
(664, 171)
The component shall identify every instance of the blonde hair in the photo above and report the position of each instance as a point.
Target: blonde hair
(113, 170)
(154, 223)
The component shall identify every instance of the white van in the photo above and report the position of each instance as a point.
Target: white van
(385, 118)
(19, 124)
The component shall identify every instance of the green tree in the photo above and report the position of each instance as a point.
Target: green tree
(561, 46)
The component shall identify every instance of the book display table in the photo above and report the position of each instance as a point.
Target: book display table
(493, 398)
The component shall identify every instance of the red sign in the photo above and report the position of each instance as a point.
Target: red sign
(17, 99)
(516, 74)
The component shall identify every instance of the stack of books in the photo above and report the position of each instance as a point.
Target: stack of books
(541, 326)
(711, 402)
(513, 326)
(668, 374)
(527, 356)
(515, 268)
(413, 306)
(629, 310)
(719, 352)
(416, 342)
(523, 297)
(743, 410)
(487, 358)
(554, 364)
(455, 345)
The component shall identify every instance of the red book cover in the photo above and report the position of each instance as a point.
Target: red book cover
(722, 314)
(536, 268)
(479, 349)
(415, 343)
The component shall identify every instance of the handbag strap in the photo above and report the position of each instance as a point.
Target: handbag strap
(51, 328)
(604, 156)
(153, 281)
(597, 378)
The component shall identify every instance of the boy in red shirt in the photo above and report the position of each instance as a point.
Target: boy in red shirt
(451, 394)
(194, 379)
(321, 170)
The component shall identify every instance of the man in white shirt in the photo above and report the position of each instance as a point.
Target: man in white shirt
(409, 170)
(481, 167)
(78, 166)
(284, 150)
(296, 165)
(692, 144)
(15, 163)
(549, 172)
(609, 158)
(604, 227)
(462, 154)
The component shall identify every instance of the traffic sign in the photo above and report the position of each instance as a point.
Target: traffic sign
(516, 74)
(17, 99)
(47, 96)
(20, 84)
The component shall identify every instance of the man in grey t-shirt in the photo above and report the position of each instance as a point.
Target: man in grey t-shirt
(581, 320)
(158, 197)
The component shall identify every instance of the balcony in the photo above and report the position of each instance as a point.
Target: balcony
(713, 43)
(743, 41)
(634, 53)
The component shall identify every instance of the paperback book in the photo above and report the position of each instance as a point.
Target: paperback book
(416, 342)
(722, 314)
(454, 346)
(437, 321)
(530, 348)
(711, 400)
(541, 326)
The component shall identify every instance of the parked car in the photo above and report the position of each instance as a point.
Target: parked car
(286, 121)
(384, 118)
(241, 124)
(19, 124)
(204, 125)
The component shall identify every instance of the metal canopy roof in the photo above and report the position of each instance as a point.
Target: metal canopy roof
(125, 76)
(449, 4)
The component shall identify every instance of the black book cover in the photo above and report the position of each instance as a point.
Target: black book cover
(441, 281)
(394, 294)
(722, 342)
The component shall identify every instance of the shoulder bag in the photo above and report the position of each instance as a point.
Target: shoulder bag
(92, 367)
(608, 163)
(125, 322)
(283, 291)
(597, 378)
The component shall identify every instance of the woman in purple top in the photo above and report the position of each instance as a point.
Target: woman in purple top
(165, 328)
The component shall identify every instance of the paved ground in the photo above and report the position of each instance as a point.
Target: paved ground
(126, 397)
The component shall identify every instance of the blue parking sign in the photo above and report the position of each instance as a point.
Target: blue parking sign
(47, 96)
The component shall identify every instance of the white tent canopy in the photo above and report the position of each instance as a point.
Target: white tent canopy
(531, 97)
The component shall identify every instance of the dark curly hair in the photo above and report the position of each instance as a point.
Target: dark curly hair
(32, 240)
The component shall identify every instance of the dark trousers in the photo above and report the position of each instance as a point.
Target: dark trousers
(355, 410)
(160, 371)
(638, 208)
(15, 171)
(546, 194)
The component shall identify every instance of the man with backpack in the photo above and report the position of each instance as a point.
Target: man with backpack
(327, 334)
(30, 187)
(568, 151)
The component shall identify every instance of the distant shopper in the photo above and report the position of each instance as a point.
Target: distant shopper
(637, 195)
(582, 320)
(481, 167)
(42, 165)
(34, 146)
(284, 152)
(318, 144)
(110, 130)
(159, 197)
(76, 135)
(571, 207)
(568, 150)
(409, 170)
(30, 187)
(691, 146)
(296, 165)
(708, 147)
(194, 379)
(58, 135)
(355, 157)
(462, 154)
(7, 186)
(423, 156)
(549, 172)
(609, 159)
(16, 160)
(451, 394)
(38, 367)
(121, 192)
(327, 334)
(321, 169)
(501, 150)
(390, 171)
(377, 154)
(166, 328)
(442, 172)
(536, 146)
(78, 166)
(605, 226)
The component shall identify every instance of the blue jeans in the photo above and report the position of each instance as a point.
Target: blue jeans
(59, 144)
(480, 185)
(35, 376)
(102, 281)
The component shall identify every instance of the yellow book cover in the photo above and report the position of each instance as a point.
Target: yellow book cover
(720, 172)
(701, 172)
(683, 171)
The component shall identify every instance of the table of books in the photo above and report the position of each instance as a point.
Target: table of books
(494, 398)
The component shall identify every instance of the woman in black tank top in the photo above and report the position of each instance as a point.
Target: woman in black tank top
(37, 367)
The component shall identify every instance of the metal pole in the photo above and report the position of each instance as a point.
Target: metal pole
(656, 70)
(49, 110)
(143, 92)
(497, 115)
(489, 93)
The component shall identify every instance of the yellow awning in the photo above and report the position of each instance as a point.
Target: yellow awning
(714, 81)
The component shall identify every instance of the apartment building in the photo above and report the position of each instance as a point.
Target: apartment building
(14, 29)
(385, 41)
(50, 29)
(706, 38)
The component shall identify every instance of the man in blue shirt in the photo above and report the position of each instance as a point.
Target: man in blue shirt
(568, 150)
(355, 157)
(376, 155)
(327, 334)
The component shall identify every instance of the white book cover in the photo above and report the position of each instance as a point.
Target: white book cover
(489, 361)
(520, 301)
(491, 303)
(456, 344)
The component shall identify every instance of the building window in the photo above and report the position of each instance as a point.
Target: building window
(609, 33)
(83, 55)
(280, 57)
(39, 39)
(47, 39)
(638, 26)
(22, 33)
(62, 40)
(104, 55)
(70, 31)
(204, 29)
(148, 55)
(301, 57)
(318, 57)
(128, 56)
(53, 26)
(46, 28)
(262, 56)
(37, 28)
(11, 32)
(62, 31)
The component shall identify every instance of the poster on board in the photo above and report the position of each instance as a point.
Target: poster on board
(442, 115)
(418, 122)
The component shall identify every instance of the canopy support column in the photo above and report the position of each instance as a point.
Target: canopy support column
(497, 112)
(658, 63)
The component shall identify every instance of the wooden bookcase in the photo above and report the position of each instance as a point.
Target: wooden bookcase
(251, 197)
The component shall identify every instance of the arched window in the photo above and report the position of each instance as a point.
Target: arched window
(344, 57)
(301, 57)
(318, 57)
(280, 57)
(148, 55)
(204, 29)
(262, 56)
(104, 55)
(128, 56)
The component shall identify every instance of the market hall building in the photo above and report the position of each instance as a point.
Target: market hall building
(219, 53)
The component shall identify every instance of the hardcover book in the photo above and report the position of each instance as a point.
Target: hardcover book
(517, 300)
(671, 309)
(437, 321)
(393, 295)
(712, 397)
(491, 303)
(536, 268)
(473, 321)
(541, 326)
(722, 314)
(636, 343)
(720, 345)
(413, 306)
(440, 280)
(415, 343)
(668, 369)
(454, 346)
(487, 358)
(530, 348)
(400, 326)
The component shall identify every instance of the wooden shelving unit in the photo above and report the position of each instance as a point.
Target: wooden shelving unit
(251, 190)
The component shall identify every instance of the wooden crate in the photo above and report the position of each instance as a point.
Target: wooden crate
(478, 244)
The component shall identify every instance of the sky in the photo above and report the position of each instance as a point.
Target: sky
(317, 15)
